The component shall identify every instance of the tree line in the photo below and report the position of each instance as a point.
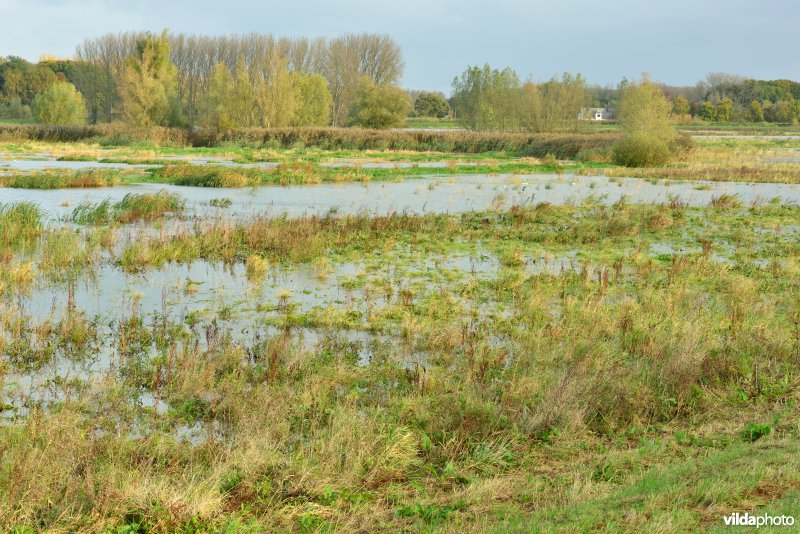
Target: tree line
(490, 99)
(255, 80)
(723, 97)
(486, 98)
(219, 81)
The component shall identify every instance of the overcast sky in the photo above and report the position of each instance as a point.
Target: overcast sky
(677, 42)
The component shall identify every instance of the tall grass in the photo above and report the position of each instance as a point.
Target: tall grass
(211, 175)
(104, 134)
(20, 222)
(133, 207)
(583, 398)
(565, 146)
(62, 180)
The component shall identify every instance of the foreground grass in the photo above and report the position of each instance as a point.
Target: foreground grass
(630, 389)
(695, 492)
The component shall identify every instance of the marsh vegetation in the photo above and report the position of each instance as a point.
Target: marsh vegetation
(483, 347)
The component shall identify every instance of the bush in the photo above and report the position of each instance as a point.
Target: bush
(649, 130)
(60, 104)
(379, 106)
(640, 150)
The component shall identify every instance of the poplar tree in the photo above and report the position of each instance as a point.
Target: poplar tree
(149, 85)
(315, 100)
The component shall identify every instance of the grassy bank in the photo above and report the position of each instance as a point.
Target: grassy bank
(63, 179)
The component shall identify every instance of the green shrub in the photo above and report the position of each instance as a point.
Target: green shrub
(640, 150)
(379, 106)
(15, 109)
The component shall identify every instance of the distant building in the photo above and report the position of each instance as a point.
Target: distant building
(596, 114)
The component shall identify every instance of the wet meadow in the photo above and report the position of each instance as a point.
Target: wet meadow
(249, 337)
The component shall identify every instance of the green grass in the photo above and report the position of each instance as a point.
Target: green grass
(756, 128)
(20, 222)
(695, 492)
(63, 180)
(133, 207)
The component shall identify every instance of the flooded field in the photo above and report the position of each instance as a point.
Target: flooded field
(451, 318)
(448, 194)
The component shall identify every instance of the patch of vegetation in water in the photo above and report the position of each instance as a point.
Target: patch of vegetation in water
(133, 207)
(63, 180)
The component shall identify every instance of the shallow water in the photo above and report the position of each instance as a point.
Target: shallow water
(224, 296)
(30, 165)
(10, 166)
(442, 194)
(15, 162)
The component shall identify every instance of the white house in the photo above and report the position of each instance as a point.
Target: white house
(596, 114)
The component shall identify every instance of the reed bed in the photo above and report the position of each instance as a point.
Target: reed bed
(565, 146)
(62, 180)
(133, 207)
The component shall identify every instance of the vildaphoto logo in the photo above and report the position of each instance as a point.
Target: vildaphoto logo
(758, 521)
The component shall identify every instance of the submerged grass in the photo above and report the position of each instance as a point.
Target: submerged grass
(133, 207)
(301, 171)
